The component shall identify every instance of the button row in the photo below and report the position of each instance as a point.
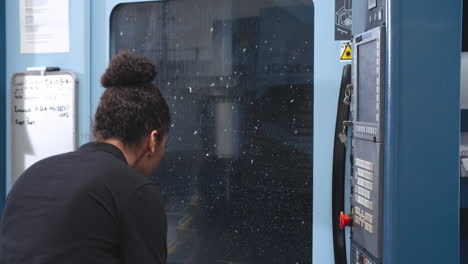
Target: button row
(359, 221)
(363, 201)
(363, 192)
(365, 174)
(366, 130)
(364, 164)
(366, 184)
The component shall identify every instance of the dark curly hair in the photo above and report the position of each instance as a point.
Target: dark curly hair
(131, 106)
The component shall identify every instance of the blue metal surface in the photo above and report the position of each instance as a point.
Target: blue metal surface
(421, 217)
(326, 87)
(2, 105)
(77, 60)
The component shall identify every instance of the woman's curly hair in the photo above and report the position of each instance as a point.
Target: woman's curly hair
(131, 106)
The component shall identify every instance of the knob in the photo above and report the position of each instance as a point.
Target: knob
(345, 220)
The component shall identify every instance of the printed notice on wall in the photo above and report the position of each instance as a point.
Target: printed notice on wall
(44, 26)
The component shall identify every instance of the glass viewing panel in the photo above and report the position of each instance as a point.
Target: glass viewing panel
(238, 77)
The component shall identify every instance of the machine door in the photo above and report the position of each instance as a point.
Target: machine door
(238, 76)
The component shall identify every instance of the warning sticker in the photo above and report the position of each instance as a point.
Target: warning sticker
(346, 53)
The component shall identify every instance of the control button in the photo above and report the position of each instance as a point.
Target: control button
(365, 174)
(363, 201)
(345, 220)
(364, 164)
(371, 176)
(369, 218)
(366, 194)
(358, 162)
(360, 182)
(367, 203)
(361, 172)
(357, 210)
(369, 228)
(368, 185)
(358, 190)
(357, 220)
(363, 192)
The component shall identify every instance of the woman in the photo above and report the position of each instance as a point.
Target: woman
(97, 204)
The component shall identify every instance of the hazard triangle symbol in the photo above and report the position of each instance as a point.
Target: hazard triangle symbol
(347, 53)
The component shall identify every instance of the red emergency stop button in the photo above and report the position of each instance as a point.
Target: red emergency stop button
(345, 220)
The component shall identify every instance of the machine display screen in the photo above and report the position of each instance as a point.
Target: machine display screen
(367, 81)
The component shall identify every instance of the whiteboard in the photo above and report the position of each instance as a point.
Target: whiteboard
(43, 117)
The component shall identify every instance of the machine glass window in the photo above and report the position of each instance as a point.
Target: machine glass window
(238, 77)
(367, 86)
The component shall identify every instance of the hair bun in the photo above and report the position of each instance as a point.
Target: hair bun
(128, 70)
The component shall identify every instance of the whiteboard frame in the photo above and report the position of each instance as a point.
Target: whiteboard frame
(12, 113)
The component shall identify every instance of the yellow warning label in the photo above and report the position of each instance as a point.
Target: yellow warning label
(347, 53)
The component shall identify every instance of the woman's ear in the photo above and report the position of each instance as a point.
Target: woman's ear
(153, 141)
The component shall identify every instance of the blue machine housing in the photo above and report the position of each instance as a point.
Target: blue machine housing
(421, 190)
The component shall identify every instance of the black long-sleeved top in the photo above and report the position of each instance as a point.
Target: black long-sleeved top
(87, 206)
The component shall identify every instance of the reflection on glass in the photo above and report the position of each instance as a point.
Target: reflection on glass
(237, 175)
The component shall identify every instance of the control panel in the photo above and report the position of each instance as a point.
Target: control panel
(375, 13)
(367, 196)
(367, 108)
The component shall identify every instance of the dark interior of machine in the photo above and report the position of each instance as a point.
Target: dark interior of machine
(238, 77)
